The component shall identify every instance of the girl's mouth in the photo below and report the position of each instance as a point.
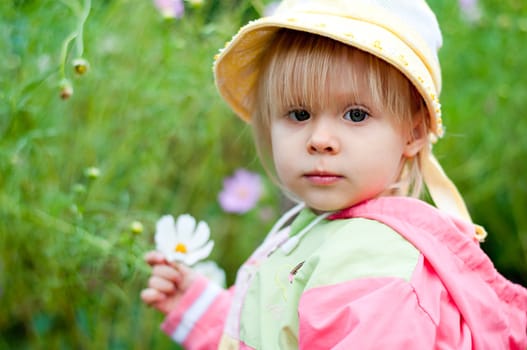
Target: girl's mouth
(322, 178)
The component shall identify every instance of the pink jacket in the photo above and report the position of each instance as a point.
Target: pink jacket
(454, 299)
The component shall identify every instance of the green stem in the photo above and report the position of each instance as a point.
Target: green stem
(62, 226)
(64, 53)
(80, 30)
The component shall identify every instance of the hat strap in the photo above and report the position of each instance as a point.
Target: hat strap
(444, 193)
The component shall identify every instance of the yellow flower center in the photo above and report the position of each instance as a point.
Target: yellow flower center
(181, 248)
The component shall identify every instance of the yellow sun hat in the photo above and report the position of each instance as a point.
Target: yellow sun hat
(404, 33)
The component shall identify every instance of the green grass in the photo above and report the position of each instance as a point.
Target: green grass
(484, 99)
(148, 116)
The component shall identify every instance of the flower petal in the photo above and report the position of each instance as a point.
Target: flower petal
(174, 256)
(200, 254)
(185, 227)
(201, 236)
(165, 235)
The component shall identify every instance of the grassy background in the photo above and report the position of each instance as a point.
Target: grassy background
(148, 117)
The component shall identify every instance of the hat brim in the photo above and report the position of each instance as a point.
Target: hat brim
(236, 68)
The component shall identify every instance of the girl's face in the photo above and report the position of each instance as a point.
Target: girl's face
(340, 152)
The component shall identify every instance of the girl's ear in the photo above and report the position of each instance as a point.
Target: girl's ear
(417, 137)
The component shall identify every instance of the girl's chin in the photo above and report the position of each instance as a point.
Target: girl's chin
(320, 208)
(325, 208)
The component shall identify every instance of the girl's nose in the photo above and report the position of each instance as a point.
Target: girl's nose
(323, 139)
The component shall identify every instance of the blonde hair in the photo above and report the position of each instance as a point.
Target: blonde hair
(297, 68)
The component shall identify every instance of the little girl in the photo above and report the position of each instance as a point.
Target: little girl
(342, 97)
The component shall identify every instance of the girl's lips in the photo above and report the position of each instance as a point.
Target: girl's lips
(322, 178)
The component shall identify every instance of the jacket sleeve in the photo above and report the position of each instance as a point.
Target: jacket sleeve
(197, 322)
(369, 313)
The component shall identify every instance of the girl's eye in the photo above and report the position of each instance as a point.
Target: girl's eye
(299, 115)
(356, 115)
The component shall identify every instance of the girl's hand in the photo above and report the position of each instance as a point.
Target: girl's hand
(168, 283)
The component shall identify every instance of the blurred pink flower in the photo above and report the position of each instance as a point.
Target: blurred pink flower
(170, 8)
(240, 192)
(470, 10)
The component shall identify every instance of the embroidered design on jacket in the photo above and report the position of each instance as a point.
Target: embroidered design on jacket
(295, 269)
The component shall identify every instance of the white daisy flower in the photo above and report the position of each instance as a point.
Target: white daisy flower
(183, 241)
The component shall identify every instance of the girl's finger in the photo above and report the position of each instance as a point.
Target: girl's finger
(151, 296)
(167, 272)
(161, 284)
(155, 258)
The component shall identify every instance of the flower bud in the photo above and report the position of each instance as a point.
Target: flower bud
(81, 66)
(66, 89)
(92, 173)
(136, 227)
